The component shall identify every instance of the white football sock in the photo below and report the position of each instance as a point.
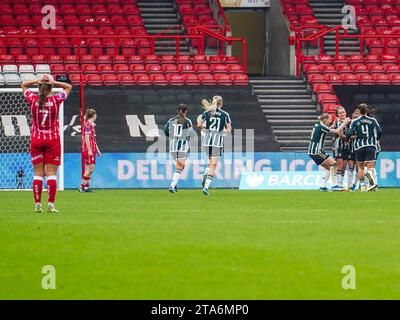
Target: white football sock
(175, 178)
(350, 176)
(333, 172)
(325, 178)
(208, 181)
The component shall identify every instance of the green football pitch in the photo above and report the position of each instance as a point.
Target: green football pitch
(149, 244)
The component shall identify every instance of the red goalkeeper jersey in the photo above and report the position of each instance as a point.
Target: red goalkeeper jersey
(90, 129)
(45, 123)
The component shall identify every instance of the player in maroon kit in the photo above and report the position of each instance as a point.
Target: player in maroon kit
(45, 135)
(89, 149)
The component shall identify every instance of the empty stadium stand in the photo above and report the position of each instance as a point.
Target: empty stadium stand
(110, 43)
(113, 104)
(289, 109)
(161, 17)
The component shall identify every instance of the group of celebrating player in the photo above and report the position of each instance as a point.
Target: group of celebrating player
(356, 141)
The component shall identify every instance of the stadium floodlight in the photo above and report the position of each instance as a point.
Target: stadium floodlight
(16, 170)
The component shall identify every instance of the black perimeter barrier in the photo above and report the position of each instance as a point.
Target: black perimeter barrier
(386, 99)
(114, 103)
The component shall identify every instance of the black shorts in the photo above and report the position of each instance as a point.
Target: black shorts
(366, 154)
(340, 154)
(377, 155)
(351, 156)
(213, 152)
(179, 155)
(319, 158)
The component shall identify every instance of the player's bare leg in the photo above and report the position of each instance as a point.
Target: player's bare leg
(210, 175)
(51, 174)
(37, 187)
(180, 166)
(85, 184)
(361, 176)
(341, 167)
(350, 175)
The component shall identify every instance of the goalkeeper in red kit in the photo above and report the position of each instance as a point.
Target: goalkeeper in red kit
(45, 148)
(89, 149)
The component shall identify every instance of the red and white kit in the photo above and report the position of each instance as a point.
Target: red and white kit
(89, 129)
(45, 135)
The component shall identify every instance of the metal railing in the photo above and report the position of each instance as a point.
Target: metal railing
(340, 33)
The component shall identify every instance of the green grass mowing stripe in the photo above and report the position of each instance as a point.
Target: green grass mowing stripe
(149, 244)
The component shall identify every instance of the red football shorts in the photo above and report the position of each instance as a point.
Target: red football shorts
(46, 151)
(89, 160)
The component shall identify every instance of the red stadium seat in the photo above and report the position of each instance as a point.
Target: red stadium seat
(191, 79)
(121, 69)
(76, 79)
(39, 59)
(58, 69)
(185, 68)
(71, 59)
(158, 79)
(223, 79)
(153, 68)
(202, 68)
(175, 79)
(6, 59)
(184, 59)
(135, 59)
(105, 69)
(152, 58)
(323, 88)
(89, 69)
(55, 59)
(109, 79)
(126, 80)
(73, 68)
(382, 79)
(142, 79)
(169, 68)
(240, 79)
(350, 79)
(366, 79)
(119, 59)
(200, 59)
(207, 79)
(137, 69)
(93, 79)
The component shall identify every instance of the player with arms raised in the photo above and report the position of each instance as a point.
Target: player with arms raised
(367, 133)
(315, 150)
(89, 149)
(178, 130)
(45, 146)
(216, 124)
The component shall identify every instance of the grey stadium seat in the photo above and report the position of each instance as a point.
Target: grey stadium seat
(12, 79)
(10, 68)
(26, 68)
(2, 81)
(42, 69)
(28, 76)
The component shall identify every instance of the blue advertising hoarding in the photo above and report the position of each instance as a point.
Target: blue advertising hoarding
(139, 170)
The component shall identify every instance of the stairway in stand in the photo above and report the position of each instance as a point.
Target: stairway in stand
(158, 16)
(289, 109)
(329, 13)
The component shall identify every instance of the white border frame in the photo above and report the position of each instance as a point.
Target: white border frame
(61, 120)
